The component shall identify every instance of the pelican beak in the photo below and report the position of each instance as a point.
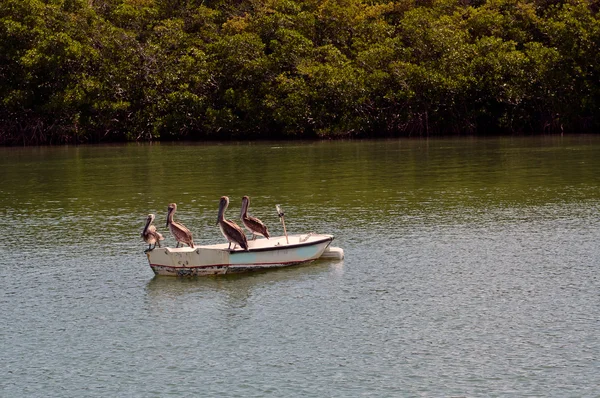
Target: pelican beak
(221, 210)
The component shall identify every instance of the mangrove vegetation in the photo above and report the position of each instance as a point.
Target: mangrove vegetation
(76, 71)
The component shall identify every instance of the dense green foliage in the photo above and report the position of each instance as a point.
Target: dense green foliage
(109, 70)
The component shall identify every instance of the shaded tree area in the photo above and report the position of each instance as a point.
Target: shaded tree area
(74, 71)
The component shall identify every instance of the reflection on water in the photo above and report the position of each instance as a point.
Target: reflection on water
(470, 270)
(235, 289)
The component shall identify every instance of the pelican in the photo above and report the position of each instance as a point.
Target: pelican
(252, 224)
(230, 230)
(150, 235)
(179, 231)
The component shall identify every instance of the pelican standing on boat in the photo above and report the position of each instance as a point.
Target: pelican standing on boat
(230, 230)
(252, 224)
(179, 231)
(150, 235)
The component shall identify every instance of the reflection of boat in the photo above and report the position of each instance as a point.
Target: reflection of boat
(262, 253)
(165, 293)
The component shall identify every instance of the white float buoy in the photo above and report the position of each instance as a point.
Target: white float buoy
(333, 253)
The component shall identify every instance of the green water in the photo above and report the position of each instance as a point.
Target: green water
(471, 269)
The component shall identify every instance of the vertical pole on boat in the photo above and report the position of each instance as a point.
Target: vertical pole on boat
(281, 214)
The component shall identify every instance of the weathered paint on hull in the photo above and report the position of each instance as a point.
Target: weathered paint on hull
(217, 260)
(216, 269)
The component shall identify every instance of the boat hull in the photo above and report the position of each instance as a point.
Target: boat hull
(275, 252)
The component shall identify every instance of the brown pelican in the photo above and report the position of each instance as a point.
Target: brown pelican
(150, 235)
(252, 224)
(230, 230)
(179, 231)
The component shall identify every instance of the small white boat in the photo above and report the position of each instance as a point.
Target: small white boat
(278, 251)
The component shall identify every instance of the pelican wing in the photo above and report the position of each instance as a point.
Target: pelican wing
(151, 235)
(181, 233)
(157, 235)
(255, 226)
(234, 233)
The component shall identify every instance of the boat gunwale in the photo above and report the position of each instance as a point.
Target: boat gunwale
(256, 249)
(283, 247)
